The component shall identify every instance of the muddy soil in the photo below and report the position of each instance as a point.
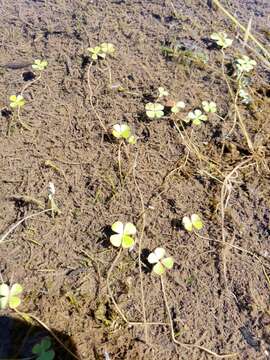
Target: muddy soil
(218, 291)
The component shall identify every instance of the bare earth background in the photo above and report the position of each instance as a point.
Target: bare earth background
(217, 301)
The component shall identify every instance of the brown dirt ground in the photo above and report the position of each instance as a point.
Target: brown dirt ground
(218, 296)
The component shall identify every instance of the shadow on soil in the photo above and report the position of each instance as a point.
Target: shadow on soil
(18, 338)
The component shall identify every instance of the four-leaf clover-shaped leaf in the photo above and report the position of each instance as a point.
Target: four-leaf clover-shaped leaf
(154, 110)
(162, 92)
(9, 296)
(43, 350)
(107, 48)
(209, 107)
(123, 236)
(161, 262)
(221, 39)
(96, 52)
(40, 65)
(192, 222)
(121, 131)
(196, 117)
(179, 105)
(16, 101)
(245, 64)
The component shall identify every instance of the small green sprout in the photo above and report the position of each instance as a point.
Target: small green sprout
(107, 48)
(162, 92)
(51, 202)
(245, 64)
(40, 65)
(161, 262)
(122, 236)
(196, 117)
(121, 131)
(96, 52)
(221, 39)
(209, 107)
(16, 101)
(154, 110)
(9, 296)
(245, 97)
(179, 105)
(192, 222)
(43, 350)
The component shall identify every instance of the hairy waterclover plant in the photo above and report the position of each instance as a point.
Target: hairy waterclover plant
(123, 131)
(154, 110)
(245, 64)
(123, 236)
(96, 52)
(161, 262)
(51, 202)
(43, 350)
(209, 107)
(162, 92)
(192, 222)
(196, 117)
(107, 48)
(101, 51)
(16, 101)
(178, 106)
(221, 39)
(39, 65)
(245, 97)
(9, 296)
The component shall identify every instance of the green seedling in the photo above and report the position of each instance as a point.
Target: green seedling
(9, 296)
(221, 39)
(245, 97)
(161, 262)
(178, 106)
(192, 222)
(162, 92)
(16, 101)
(196, 117)
(39, 65)
(123, 236)
(123, 131)
(107, 48)
(43, 350)
(101, 51)
(154, 110)
(245, 64)
(96, 52)
(51, 202)
(209, 107)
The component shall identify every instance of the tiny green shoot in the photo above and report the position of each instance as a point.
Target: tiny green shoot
(51, 202)
(245, 97)
(154, 110)
(162, 92)
(123, 131)
(178, 106)
(196, 117)
(43, 350)
(96, 52)
(209, 106)
(221, 39)
(162, 263)
(39, 65)
(16, 101)
(9, 296)
(107, 48)
(123, 236)
(192, 222)
(245, 64)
